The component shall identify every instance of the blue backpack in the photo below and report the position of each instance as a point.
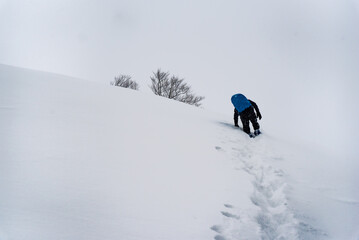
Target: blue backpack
(240, 102)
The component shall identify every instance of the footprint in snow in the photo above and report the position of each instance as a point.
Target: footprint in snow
(230, 215)
(218, 148)
(219, 237)
(217, 229)
(228, 206)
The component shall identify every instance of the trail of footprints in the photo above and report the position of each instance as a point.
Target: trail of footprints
(221, 230)
(272, 218)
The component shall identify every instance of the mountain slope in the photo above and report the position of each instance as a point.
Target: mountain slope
(85, 161)
(105, 163)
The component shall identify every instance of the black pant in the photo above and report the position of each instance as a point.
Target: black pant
(247, 115)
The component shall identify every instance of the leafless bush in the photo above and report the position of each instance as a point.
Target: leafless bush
(125, 81)
(173, 88)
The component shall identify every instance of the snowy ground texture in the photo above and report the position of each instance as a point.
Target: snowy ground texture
(79, 160)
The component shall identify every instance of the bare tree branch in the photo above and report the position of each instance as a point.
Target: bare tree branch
(125, 81)
(159, 82)
(173, 88)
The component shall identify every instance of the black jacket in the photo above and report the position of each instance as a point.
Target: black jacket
(254, 105)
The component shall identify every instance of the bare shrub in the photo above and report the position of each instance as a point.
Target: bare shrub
(125, 81)
(173, 88)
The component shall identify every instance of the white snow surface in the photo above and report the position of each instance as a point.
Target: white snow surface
(79, 160)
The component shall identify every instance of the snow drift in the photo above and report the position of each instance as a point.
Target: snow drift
(79, 160)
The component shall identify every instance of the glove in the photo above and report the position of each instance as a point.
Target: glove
(259, 116)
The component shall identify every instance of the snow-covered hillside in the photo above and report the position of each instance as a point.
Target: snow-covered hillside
(79, 160)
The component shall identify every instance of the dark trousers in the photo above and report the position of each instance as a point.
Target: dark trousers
(248, 115)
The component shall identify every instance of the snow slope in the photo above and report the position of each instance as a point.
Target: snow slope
(79, 160)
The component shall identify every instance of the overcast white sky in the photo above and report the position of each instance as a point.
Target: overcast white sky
(299, 59)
